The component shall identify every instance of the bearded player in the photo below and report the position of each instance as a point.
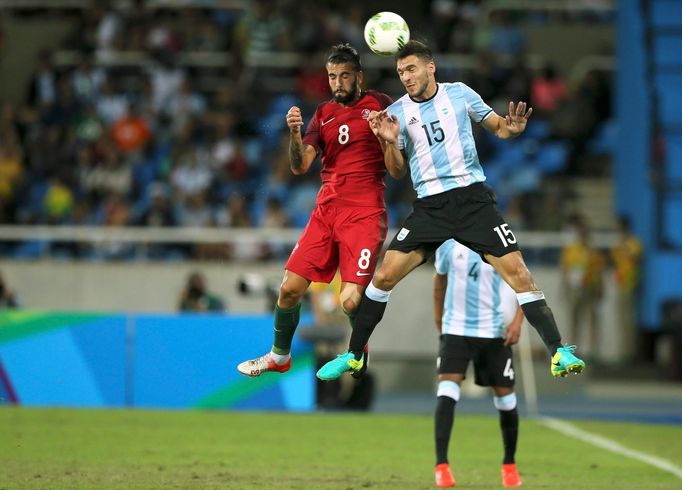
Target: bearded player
(347, 228)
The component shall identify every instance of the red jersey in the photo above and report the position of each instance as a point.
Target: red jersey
(352, 161)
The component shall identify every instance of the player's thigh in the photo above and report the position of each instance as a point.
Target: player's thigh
(360, 234)
(395, 266)
(427, 226)
(513, 270)
(315, 256)
(494, 364)
(454, 354)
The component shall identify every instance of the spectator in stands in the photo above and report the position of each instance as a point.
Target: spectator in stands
(184, 106)
(166, 79)
(582, 278)
(108, 174)
(111, 106)
(191, 172)
(627, 257)
(42, 86)
(87, 80)
(65, 109)
(131, 132)
(548, 90)
(506, 39)
(195, 211)
(160, 211)
(274, 216)
(195, 296)
(262, 30)
(8, 300)
(88, 126)
(235, 214)
(58, 201)
(11, 170)
(107, 31)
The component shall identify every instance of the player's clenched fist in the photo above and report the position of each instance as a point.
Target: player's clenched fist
(294, 119)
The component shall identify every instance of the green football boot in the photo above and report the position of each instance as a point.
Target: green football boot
(564, 362)
(336, 367)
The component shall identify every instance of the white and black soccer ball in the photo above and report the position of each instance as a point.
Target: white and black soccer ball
(386, 33)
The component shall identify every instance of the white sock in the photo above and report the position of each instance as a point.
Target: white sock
(279, 358)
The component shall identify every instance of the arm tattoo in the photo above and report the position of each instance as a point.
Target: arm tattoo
(295, 153)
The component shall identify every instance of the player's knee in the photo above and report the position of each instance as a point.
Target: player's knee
(506, 403)
(384, 280)
(448, 388)
(289, 294)
(350, 305)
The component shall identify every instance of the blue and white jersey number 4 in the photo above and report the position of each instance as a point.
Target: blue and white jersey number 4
(478, 303)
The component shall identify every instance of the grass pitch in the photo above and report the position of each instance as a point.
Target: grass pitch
(121, 449)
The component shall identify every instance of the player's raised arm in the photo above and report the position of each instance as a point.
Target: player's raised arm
(386, 128)
(510, 126)
(300, 156)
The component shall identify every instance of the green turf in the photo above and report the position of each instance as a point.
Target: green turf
(78, 449)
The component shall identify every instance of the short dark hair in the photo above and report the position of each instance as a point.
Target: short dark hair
(417, 48)
(345, 53)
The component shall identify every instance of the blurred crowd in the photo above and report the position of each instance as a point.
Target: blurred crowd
(190, 130)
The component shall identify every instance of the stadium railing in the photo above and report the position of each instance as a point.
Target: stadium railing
(171, 235)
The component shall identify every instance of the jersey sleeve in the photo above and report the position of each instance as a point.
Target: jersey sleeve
(312, 135)
(443, 254)
(476, 108)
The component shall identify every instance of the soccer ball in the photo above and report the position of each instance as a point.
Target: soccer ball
(386, 33)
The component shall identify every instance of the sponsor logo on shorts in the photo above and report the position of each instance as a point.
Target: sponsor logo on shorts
(403, 233)
(358, 273)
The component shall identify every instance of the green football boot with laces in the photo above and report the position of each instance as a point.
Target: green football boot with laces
(564, 362)
(342, 363)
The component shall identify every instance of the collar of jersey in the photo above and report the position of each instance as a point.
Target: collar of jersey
(430, 98)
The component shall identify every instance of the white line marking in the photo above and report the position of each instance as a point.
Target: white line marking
(573, 431)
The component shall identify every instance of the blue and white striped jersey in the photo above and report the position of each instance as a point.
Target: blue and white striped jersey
(478, 303)
(437, 138)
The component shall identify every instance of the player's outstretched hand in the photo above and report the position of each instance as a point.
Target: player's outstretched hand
(294, 119)
(384, 126)
(517, 117)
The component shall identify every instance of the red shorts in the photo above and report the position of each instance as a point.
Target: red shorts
(340, 237)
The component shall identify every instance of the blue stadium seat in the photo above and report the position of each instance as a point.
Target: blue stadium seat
(274, 120)
(537, 128)
(673, 146)
(552, 157)
(666, 49)
(666, 13)
(604, 140)
(672, 219)
(669, 98)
